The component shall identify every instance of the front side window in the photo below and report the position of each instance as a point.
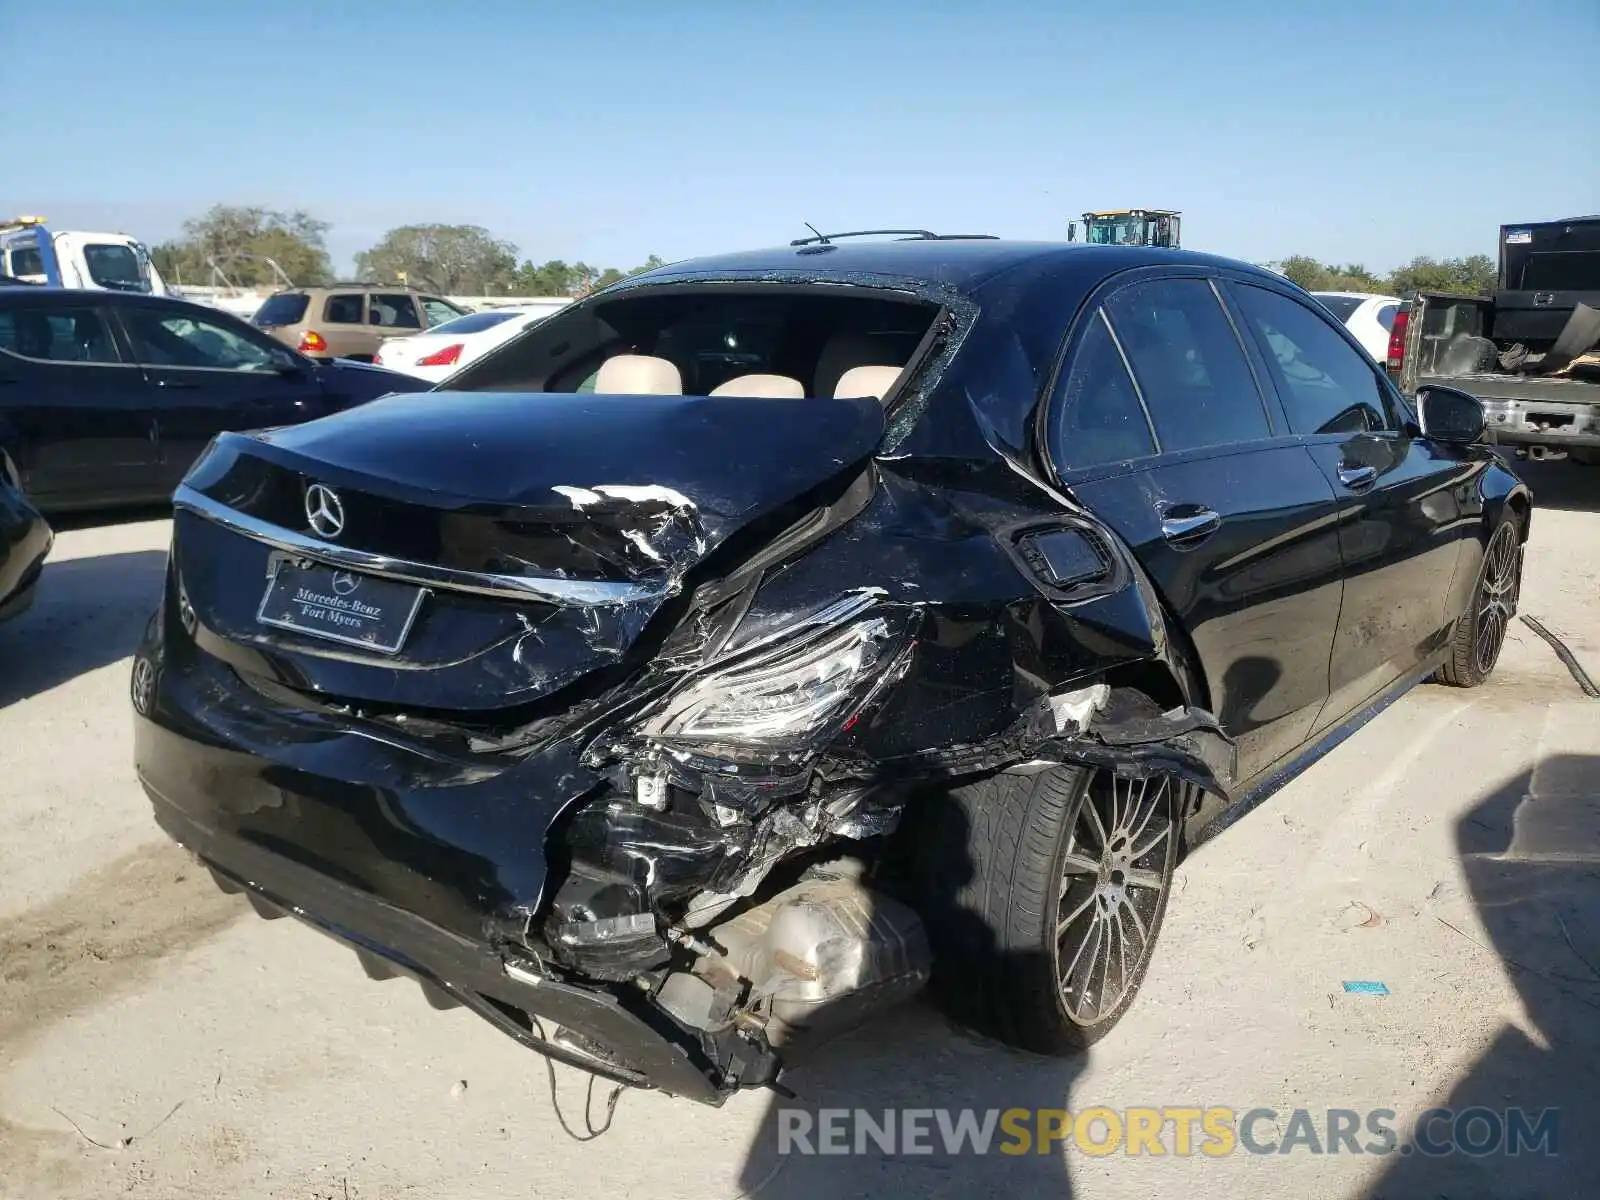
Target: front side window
(163, 339)
(1327, 385)
(393, 312)
(1190, 367)
(1097, 418)
(63, 335)
(439, 311)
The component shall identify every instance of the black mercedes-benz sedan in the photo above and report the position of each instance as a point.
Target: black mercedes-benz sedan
(727, 656)
(106, 398)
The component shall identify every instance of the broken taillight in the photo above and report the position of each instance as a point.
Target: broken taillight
(448, 357)
(1397, 340)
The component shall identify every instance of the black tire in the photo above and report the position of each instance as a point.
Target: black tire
(1480, 632)
(994, 885)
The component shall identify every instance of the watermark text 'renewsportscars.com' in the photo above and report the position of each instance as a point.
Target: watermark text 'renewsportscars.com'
(1174, 1130)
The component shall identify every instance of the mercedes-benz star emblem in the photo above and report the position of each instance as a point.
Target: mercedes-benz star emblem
(324, 510)
(344, 583)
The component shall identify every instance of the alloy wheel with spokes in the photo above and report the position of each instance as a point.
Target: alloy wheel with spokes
(1497, 597)
(1480, 632)
(1116, 868)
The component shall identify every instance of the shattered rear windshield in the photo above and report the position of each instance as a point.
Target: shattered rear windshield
(802, 341)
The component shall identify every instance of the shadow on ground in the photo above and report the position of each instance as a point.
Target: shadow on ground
(105, 518)
(88, 612)
(1561, 484)
(1531, 854)
(913, 1058)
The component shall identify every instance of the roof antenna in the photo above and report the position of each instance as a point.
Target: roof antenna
(821, 237)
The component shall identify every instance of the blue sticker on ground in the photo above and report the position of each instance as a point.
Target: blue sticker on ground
(1366, 987)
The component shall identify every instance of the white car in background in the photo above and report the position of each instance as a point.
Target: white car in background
(1367, 315)
(445, 349)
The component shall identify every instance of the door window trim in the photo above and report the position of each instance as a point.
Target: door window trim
(1408, 426)
(1093, 305)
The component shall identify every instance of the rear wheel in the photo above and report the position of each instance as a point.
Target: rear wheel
(1044, 895)
(1480, 632)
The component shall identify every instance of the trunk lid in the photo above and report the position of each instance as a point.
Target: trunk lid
(531, 536)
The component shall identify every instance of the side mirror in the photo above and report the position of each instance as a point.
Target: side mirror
(1450, 415)
(288, 364)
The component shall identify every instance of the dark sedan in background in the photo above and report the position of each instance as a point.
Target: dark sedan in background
(739, 646)
(106, 398)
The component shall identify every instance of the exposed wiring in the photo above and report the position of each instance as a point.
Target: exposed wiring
(593, 1131)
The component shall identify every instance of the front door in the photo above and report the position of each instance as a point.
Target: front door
(211, 374)
(1405, 504)
(1228, 515)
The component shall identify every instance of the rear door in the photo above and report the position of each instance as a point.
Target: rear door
(1405, 503)
(211, 373)
(390, 315)
(76, 416)
(1160, 427)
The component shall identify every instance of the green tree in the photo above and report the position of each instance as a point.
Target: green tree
(1468, 276)
(455, 259)
(560, 278)
(238, 238)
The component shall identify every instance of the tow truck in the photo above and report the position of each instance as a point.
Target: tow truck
(1129, 227)
(31, 251)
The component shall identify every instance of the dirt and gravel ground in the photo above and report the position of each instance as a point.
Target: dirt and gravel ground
(157, 1040)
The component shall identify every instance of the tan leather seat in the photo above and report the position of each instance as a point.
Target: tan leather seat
(638, 375)
(866, 381)
(768, 387)
(845, 350)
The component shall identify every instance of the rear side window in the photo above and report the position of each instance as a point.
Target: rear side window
(280, 310)
(473, 322)
(1097, 415)
(1342, 307)
(393, 312)
(1327, 385)
(1189, 365)
(345, 310)
(63, 335)
(1386, 314)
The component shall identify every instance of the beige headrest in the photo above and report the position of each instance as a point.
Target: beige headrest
(866, 381)
(769, 387)
(638, 375)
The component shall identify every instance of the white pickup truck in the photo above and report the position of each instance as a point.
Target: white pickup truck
(34, 253)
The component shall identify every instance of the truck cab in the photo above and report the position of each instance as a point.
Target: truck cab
(31, 251)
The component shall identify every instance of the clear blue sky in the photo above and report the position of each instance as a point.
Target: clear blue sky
(1353, 131)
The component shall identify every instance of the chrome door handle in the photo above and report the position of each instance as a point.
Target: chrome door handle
(1192, 524)
(1357, 477)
